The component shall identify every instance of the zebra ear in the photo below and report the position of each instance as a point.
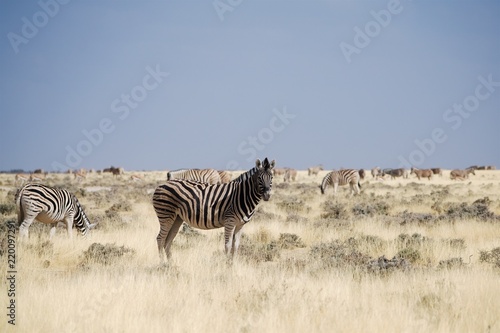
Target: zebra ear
(258, 163)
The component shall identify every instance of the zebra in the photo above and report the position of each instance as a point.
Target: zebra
(225, 176)
(50, 205)
(461, 174)
(362, 173)
(395, 172)
(342, 177)
(209, 176)
(211, 206)
(426, 173)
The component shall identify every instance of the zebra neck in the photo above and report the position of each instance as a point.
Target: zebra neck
(248, 195)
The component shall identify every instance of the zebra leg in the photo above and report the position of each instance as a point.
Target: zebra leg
(166, 224)
(24, 227)
(69, 226)
(335, 185)
(229, 228)
(236, 240)
(174, 229)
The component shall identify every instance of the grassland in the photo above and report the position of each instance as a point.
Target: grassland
(404, 256)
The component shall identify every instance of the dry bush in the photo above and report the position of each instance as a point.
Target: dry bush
(107, 254)
(371, 208)
(407, 217)
(334, 210)
(492, 256)
(451, 263)
(477, 210)
(42, 248)
(339, 254)
(7, 208)
(292, 204)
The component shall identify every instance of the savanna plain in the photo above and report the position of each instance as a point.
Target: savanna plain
(406, 255)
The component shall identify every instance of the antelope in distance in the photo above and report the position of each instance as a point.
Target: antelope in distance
(313, 171)
(461, 174)
(425, 173)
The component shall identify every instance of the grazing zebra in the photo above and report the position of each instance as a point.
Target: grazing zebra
(290, 175)
(342, 177)
(206, 206)
(313, 171)
(50, 205)
(461, 174)
(209, 176)
(225, 176)
(437, 171)
(426, 173)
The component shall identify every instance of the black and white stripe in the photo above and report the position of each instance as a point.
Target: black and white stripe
(342, 177)
(209, 176)
(50, 205)
(207, 206)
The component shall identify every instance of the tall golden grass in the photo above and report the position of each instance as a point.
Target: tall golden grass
(307, 262)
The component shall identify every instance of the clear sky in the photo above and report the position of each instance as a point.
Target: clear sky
(155, 85)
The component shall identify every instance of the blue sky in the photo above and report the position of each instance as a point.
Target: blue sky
(155, 85)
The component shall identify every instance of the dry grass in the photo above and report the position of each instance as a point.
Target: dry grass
(307, 262)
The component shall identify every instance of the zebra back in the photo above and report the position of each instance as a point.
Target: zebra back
(209, 176)
(340, 177)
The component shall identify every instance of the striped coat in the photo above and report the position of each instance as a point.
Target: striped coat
(50, 205)
(209, 176)
(207, 206)
(342, 177)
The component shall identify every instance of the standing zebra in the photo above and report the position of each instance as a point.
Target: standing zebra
(206, 206)
(342, 177)
(50, 205)
(209, 176)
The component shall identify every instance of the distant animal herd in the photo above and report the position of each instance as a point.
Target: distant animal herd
(202, 198)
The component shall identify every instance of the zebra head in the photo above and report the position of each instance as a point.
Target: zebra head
(264, 177)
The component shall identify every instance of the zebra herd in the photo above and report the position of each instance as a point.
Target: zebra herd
(202, 198)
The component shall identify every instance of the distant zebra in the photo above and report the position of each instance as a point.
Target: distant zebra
(426, 173)
(225, 176)
(206, 206)
(37, 177)
(461, 174)
(362, 173)
(209, 176)
(50, 205)
(342, 177)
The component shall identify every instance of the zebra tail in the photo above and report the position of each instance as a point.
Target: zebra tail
(20, 210)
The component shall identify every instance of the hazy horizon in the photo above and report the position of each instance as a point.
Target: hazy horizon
(166, 85)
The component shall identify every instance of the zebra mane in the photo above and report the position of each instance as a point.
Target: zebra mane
(245, 176)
